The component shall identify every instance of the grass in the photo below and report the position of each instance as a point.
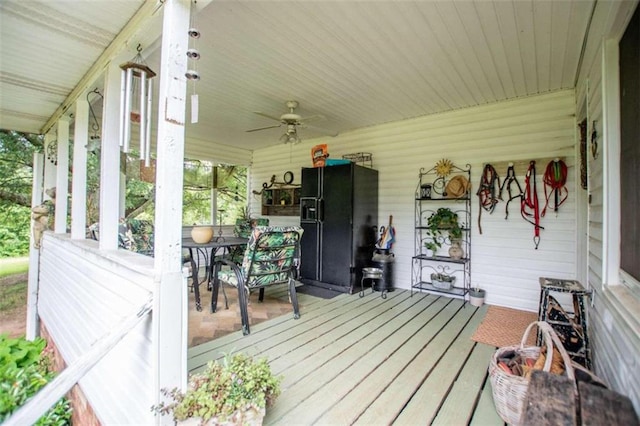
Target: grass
(13, 266)
(13, 289)
(13, 296)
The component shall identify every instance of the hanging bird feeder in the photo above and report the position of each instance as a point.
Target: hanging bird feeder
(135, 104)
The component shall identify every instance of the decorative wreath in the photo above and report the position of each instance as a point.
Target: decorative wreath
(444, 167)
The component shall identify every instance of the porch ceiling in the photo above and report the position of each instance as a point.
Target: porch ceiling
(356, 63)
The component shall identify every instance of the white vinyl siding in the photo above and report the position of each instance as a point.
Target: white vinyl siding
(85, 294)
(614, 326)
(504, 260)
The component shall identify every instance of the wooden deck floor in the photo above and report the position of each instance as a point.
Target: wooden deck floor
(351, 360)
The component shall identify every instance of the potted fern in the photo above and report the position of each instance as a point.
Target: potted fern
(236, 391)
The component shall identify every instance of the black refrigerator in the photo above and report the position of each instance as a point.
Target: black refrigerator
(339, 215)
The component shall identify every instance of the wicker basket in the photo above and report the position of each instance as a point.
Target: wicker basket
(510, 391)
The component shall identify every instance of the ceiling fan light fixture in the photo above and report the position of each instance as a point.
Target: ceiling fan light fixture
(291, 136)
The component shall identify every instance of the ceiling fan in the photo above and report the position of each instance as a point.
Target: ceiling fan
(292, 121)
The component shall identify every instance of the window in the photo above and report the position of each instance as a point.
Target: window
(213, 193)
(629, 63)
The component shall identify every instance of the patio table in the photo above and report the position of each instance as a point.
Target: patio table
(208, 252)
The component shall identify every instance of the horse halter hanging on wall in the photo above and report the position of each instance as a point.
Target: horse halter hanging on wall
(487, 192)
(530, 201)
(555, 181)
(507, 182)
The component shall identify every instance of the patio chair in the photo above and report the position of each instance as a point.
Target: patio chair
(270, 258)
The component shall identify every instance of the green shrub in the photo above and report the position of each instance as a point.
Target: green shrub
(24, 370)
(19, 352)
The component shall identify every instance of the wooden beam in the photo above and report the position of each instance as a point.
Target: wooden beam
(520, 166)
(79, 175)
(550, 400)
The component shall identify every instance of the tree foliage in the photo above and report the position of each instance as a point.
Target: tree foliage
(200, 177)
(16, 166)
(16, 175)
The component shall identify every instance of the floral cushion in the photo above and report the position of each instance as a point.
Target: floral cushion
(133, 234)
(267, 264)
(243, 227)
(138, 236)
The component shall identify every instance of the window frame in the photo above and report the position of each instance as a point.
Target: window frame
(613, 275)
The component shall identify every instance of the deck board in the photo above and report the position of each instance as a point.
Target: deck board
(485, 412)
(461, 400)
(407, 359)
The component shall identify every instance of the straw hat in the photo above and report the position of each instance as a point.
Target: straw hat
(457, 187)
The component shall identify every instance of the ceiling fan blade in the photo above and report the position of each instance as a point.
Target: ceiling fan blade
(328, 132)
(315, 117)
(266, 115)
(263, 128)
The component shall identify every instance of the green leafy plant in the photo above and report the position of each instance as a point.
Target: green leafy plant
(443, 220)
(25, 367)
(19, 352)
(224, 390)
(431, 245)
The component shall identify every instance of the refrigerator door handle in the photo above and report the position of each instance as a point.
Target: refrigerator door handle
(321, 210)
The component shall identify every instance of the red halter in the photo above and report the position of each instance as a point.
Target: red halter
(530, 200)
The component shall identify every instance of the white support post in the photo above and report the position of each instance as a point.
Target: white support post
(33, 325)
(62, 178)
(122, 203)
(79, 177)
(110, 161)
(170, 343)
(50, 169)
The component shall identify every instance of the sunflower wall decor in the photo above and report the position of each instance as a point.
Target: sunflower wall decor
(443, 168)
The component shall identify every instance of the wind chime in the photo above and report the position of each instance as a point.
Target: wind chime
(192, 74)
(135, 104)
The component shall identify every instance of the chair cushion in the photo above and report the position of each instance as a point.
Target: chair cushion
(259, 275)
(243, 227)
(227, 276)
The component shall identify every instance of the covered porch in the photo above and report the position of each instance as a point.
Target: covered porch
(410, 83)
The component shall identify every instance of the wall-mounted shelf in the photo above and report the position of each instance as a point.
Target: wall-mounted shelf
(284, 201)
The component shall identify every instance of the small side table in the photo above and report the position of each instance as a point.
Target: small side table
(572, 327)
(372, 274)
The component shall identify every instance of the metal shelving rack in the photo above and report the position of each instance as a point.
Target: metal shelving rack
(362, 158)
(424, 263)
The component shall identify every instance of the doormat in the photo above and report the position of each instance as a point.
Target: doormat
(313, 290)
(505, 327)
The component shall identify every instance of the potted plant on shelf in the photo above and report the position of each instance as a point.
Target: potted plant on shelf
(444, 220)
(234, 392)
(432, 248)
